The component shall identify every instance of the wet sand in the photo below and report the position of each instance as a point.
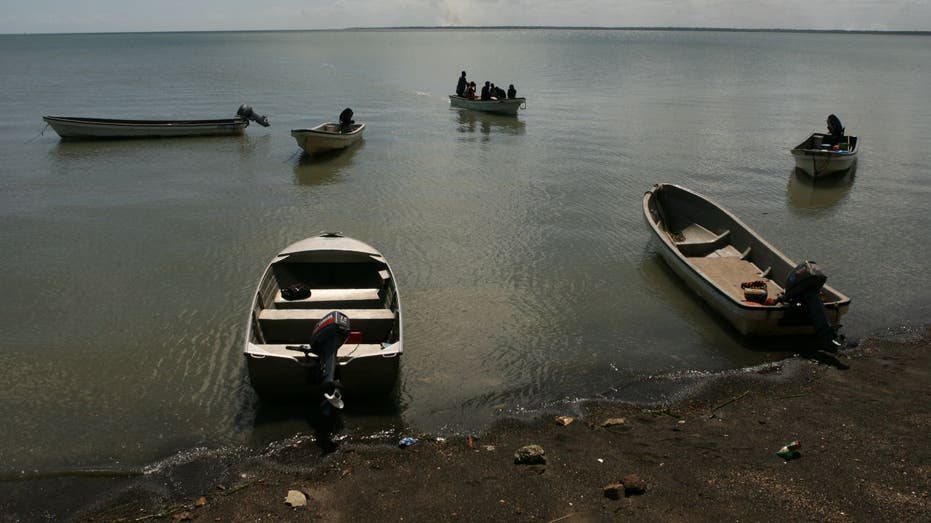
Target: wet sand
(863, 419)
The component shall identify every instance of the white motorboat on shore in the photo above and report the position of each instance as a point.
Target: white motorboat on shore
(339, 274)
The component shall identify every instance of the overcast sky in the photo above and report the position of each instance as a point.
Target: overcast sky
(58, 16)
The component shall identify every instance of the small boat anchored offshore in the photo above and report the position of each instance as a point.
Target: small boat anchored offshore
(325, 318)
(507, 106)
(71, 127)
(749, 282)
(824, 154)
(330, 136)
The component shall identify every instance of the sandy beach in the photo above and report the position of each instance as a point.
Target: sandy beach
(863, 420)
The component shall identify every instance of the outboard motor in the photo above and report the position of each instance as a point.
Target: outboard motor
(245, 111)
(329, 335)
(803, 286)
(835, 127)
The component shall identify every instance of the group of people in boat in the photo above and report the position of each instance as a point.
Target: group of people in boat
(490, 91)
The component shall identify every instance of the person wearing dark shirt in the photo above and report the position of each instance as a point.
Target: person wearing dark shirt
(486, 91)
(499, 93)
(345, 120)
(461, 86)
(512, 93)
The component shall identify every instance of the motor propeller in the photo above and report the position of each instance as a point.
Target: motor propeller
(245, 111)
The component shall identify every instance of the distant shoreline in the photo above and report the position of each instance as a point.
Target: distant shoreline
(508, 27)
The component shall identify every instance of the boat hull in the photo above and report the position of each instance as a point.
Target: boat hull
(346, 275)
(817, 160)
(508, 106)
(749, 318)
(326, 137)
(103, 128)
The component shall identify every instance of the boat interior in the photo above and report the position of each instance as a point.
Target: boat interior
(826, 142)
(360, 287)
(334, 128)
(719, 245)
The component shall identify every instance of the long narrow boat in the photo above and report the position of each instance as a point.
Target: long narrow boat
(503, 106)
(107, 128)
(327, 136)
(738, 273)
(342, 274)
(817, 156)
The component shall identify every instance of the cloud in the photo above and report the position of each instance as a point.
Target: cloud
(166, 15)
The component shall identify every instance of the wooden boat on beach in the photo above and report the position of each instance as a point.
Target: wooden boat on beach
(507, 106)
(328, 136)
(341, 274)
(738, 273)
(71, 127)
(825, 154)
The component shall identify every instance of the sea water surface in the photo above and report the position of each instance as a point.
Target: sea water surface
(526, 273)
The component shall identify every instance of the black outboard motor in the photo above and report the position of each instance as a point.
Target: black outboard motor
(803, 286)
(245, 111)
(329, 335)
(835, 127)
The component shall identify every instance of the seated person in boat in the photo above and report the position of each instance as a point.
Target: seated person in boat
(500, 94)
(461, 86)
(512, 93)
(486, 91)
(345, 120)
(836, 129)
(470, 91)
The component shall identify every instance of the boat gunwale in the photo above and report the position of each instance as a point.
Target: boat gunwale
(317, 131)
(801, 150)
(519, 99)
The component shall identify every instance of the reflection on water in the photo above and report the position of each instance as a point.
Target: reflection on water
(322, 168)
(805, 192)
(361, 417)
(472, 121)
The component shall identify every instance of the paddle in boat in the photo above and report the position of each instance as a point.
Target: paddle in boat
(749, 282)
(325, 319)
(825, 154)
(106, 128)
(507, 106)
(330, 136)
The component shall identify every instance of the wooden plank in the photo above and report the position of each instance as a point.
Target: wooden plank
(318, 314)
(729, 272)
(297, 325)
(335, 298)
(348, 350)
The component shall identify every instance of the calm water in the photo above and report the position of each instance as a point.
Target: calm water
(526, 272)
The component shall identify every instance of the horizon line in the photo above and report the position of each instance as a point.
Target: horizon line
(502, 27)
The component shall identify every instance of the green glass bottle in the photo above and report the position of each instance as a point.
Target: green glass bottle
(789, 451)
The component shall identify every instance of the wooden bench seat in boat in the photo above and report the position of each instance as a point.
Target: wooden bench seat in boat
(347, 351)
(333, 298)
(706, 247)
(729, 272)
(296, 325)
